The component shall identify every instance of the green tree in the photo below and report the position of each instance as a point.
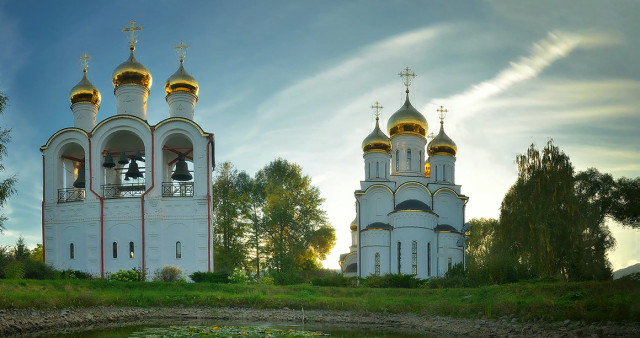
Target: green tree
(7, 185)
(36, 253)
(21, 252)
(254, 200)
(478, 248)
(229, 226)
(296, 232)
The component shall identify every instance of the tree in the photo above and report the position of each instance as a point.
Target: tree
(296, 232)
(254, 192)
(229, 226)
(7, 185)
(20, 251)
(36, 253)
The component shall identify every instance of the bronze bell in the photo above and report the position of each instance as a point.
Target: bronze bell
(79, 182)
(108, 161)
(133, 171)
(182, 171)
(123, 158)
(138, 156)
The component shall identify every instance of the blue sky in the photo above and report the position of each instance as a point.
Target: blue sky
(295, 79)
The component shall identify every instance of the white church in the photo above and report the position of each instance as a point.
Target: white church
(124, 193)
(409, 210)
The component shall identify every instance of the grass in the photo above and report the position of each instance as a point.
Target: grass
(551, 301)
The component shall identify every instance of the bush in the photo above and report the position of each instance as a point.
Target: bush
(335, 279)
(267, 280)
(392, 280)
(210, 277)
(168, 274)
(125, 276)
(238, 276)
(75, 274)
(287, 278)
(34, 269)
(14, 270)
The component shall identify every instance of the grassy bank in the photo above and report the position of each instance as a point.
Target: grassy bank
(591, 301)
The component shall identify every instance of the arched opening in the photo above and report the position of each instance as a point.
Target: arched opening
(178, 250)
(71, 180)
(178, 169)
(124, 166)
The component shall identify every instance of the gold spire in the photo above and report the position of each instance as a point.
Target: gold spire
(442, 144)
(377, 140)
(181, 49)
(132, 28)
(84, 91)
(407, 77)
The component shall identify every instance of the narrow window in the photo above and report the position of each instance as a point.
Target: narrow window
(429, 258)
(414, 257)
(449, 264)
(377, 260)
(369, 174)
(130, 249)
(420, 158)
(377, 169)
(72, 253)
(178, 250)
(115, 250)
(399, 257)
(397, 160)
(436, 173)
(409, 159)
(444, 173)
(386, 170)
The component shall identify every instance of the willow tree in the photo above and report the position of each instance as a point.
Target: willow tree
(7, 185)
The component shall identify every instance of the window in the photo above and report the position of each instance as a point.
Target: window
(414, 257)
(449, 264)
(397, 160)
(377, 169)
(178, 250)
(115, 250)
(386, 170)
(377, 261)
(420, 158)
(130, 249)
(429, 259)
(436, 173)
(444, 173)
(409, 159)
(72, 253)
(369, 172)
(399, 257)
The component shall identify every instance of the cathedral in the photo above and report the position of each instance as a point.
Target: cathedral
(124, 193)
(409, 210)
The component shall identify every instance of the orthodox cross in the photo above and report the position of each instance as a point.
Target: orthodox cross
(181, 50)
(377, 107)
(441, 110)
(407, 76)
(132, 28)
(84, 60)
(431, 135)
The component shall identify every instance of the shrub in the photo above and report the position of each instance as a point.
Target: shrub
(238, 276)
(75, 274)
(34, 269)
(14, 270)
(335, 279)
(392, 280)
(267, 280)
(125, 276)
(168, 274)
(287, 278)
(210, 277)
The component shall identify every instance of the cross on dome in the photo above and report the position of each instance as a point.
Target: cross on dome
(442, 111)
(181, 49)
(377, 108)
(407, 77)
(132, 28)
(84, 60)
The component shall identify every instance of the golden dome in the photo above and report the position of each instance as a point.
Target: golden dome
(131, 72)
(354, 225)
(181, 81)
(407, 120)
(377, 141)
(442, 144)
(84, 91)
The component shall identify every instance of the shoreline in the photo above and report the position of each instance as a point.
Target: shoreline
(28, 322)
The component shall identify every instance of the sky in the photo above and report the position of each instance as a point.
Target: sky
(296, 79)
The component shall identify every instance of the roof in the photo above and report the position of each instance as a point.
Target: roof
(445, 227)
(379, 226)
(412, 205)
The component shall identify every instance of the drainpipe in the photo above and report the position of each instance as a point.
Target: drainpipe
(101, 208)
(153, 153)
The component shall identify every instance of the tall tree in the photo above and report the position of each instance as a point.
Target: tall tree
(7, 185)
(229, 226)
(254, 200)
(297, 235)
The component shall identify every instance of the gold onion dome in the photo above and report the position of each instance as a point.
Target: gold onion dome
(442, 144)
(131, 72)
(377, 141)
(181, 81)
(407, 120)
(354, 225)
(84, 91)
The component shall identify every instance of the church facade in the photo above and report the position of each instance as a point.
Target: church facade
(409, 209)
(124, 193)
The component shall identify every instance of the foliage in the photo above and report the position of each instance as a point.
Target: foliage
(14, 270)
(210, 277)
(125, 276)
(73, 274)
(392, 280)
(335, 279)
(238, 276)
(223, 331)
(34, 269)
(36, 253)
(20, 250)
(288, 277)
(168, 273)
(7, 185)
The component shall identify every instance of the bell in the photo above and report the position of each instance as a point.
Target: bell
(108, 161)
(123, 158)
(138, 156)
(79, 182)
(133, 171)
(182, 171)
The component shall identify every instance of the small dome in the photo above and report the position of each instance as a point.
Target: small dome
(131, 72)
(445, 227)
(354, 225)
(407, 120)
(412, 205)
(379, 226)
(377, 141)
(181, 81)
(84, 91)
(442, 144)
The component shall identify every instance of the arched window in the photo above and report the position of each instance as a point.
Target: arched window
(399, 257)
(72, 253)
(444, 173)
(397, 160)
(115, 250)
(130, 249)
(377, 169)
(369, 171)
(408, 159)
(414, 257)
(377, 261)
(178, 250)
(429, 259)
